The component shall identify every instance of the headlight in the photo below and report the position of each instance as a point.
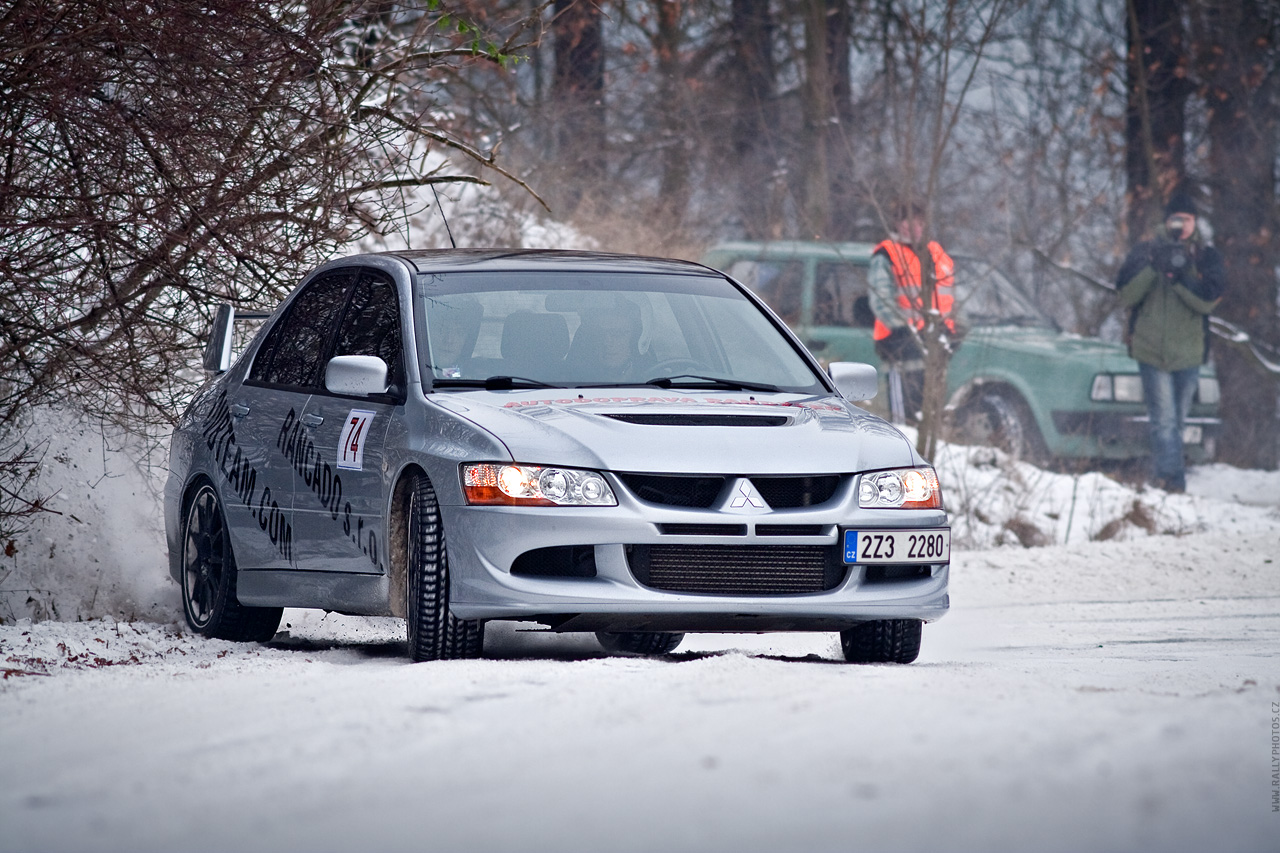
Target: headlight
(1121, 387)
(1208, 392)
(489, 483)
(907, 488)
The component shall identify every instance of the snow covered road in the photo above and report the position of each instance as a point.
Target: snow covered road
(1110, 696)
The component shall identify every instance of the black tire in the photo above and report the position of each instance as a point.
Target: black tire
(639, 642)
(999, 420)
(209, 577)
(882, 641)
(434, 632)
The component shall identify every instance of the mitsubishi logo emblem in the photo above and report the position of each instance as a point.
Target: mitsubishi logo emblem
(747, 497)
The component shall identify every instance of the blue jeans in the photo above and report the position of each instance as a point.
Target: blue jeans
(1168, 395)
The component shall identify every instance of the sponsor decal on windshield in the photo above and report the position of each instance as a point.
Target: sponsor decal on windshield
(721, 401)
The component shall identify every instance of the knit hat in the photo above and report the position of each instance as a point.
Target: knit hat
(1180, 202)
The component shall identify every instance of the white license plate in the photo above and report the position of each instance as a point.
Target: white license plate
(897, 546)
(1193, 434)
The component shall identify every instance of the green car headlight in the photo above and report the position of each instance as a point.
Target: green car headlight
(1207, 391)
(1118, 387)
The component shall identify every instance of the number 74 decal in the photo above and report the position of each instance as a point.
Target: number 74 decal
(351, 446)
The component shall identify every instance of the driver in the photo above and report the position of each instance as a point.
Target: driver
(607, 341)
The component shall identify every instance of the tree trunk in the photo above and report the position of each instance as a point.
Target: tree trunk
(673, 194)
(935, 344)
(1240, 68)
(1158, 87)
(818, 115)
(578, 95)
(841, 130)
(755, 116)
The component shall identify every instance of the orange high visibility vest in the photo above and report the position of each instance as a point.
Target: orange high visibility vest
(906, 271)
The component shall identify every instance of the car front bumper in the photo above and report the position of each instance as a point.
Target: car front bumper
(485, 542)
(1116, 435)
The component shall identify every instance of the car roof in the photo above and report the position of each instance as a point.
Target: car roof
(508, 260)
(789, 250)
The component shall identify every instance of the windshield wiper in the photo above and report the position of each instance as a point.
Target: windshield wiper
(493, 383)
(734, 384)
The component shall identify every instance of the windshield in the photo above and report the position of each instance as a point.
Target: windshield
(575, 329)
(984, 297)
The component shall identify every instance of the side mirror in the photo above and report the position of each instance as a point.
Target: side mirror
(356, 375)
(217, 349)
(856, 381)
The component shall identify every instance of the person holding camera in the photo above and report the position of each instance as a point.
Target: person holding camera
(1170, 285)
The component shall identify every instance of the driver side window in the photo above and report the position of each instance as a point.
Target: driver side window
(371, 325)
(291, 354)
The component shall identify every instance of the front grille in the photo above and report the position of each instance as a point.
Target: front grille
(737, 569)
(790, 492)
(702, 420)
(703, 529)
(673, 490)
(562, 561)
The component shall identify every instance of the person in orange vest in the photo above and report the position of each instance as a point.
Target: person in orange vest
(897, 300)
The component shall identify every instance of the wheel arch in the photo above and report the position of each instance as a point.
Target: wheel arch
(398, 533)
(189, 489)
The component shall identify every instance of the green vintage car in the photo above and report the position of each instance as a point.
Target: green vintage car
(1015, 381)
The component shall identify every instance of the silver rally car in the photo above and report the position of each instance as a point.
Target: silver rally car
(632, 446)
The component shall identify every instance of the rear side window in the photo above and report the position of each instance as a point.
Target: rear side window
(840, 297)
(776, 282)
(294, 348)
(371, 325)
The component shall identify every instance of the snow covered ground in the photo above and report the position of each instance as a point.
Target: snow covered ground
(1116, 692)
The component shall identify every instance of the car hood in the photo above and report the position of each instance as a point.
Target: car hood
(1049, 343)
(697, 432)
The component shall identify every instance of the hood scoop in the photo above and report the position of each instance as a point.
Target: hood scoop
(671, 419)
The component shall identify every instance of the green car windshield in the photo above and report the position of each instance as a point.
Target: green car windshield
(984, 297)
(583, 329)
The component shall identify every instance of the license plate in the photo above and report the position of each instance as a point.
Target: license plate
(1193, 434)
(897, 546)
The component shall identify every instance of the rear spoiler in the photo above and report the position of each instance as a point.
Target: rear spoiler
(217, 349)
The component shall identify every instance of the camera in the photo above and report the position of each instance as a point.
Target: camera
(1170, 258)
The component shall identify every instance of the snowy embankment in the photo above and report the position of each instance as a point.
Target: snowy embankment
(1113, 693)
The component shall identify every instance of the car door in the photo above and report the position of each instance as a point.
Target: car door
(341, 492)
(263, 409)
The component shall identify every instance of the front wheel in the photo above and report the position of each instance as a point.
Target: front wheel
(882, 641)
(998, 420)
(209, 578)
(434, 632)
(639, 642)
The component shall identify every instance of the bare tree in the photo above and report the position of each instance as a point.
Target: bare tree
(578, 92)
(753, 123)
(934, 51)
(1158, 86)
(158, 158)
(1239, 61)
